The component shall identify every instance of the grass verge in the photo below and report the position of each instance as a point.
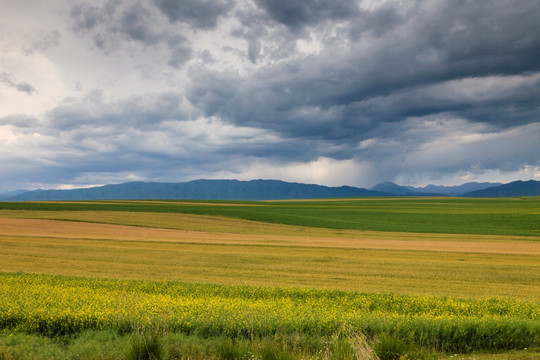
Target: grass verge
(110, 345)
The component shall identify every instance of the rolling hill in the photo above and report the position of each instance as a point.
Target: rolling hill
(516, 188)
(8, 194)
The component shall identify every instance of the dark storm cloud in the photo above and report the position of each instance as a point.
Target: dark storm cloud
(379, 21)
(141, 112)
(22, 86)
(134, 23)
(115, 23)
(180, 51)
(494, 100)
(481, 38)
(273, 27)
(297, 13)
(87, 17)
(344, 94)
(201, 14)
(263, 37)
(110, 23)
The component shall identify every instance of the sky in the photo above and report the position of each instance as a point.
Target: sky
(337, 92)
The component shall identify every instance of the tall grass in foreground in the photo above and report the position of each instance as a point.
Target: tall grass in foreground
(62, 306)
(105, 344)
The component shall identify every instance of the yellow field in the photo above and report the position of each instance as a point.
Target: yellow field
(196, 248)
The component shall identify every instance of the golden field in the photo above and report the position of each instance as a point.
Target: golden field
(234, 251)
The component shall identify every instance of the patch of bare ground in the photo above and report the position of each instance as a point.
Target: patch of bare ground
(422, 242)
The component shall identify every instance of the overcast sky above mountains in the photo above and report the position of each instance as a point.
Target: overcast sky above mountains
(328, 92)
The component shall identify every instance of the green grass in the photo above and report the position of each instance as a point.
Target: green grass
(110, 345)
(58, 306)
(504, 216)
(88, 345)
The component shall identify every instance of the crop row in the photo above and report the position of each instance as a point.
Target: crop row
(54, 305)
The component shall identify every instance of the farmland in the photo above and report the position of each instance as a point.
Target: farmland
(301, 279)
(510, 216)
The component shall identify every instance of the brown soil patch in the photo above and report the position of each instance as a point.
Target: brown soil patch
(80, 230)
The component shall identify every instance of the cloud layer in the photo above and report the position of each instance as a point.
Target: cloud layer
(338, 92)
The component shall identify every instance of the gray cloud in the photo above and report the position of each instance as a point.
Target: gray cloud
(135, 25)
(180, 51)
(201, 14)
(380, 21)
(145, 138)
(431, 148)
(87, 17)
(19, 121)
(264, 39)
(22, 86)
(103, 23)
(297, 13)
(114, 24)
(141, 112)
(340, 92)
(45, 42)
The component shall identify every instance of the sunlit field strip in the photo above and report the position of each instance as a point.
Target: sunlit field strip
(83, 230)
(223, 224)
(52, 305)
(407, 272)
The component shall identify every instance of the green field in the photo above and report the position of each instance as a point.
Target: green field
(344, 278)
(509, 216)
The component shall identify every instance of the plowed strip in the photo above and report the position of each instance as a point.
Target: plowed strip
(79, 230)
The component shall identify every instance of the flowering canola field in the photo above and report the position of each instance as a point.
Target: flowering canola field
(56, 305)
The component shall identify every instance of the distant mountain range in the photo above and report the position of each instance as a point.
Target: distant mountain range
(9, 194)
(433, 190)
(516, 188)
(268, 190)
(201, 190)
